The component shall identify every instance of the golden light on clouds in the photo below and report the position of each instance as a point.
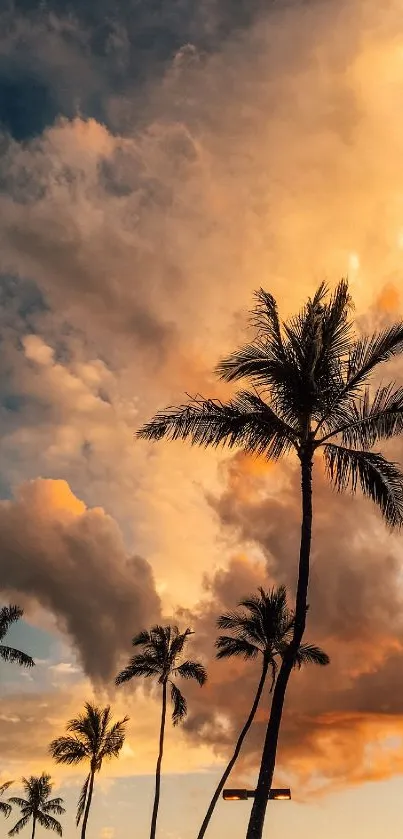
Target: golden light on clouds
(274, 160)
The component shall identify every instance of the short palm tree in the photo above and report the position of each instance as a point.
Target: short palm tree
(38, 806)
(162, 658)
(261, 628)
(8, 616)
(93, 739)
(5, 807)
(309, 392)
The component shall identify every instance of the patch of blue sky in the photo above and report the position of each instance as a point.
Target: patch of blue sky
(54, 660)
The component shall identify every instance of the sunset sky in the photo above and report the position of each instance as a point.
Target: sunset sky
(160, 160)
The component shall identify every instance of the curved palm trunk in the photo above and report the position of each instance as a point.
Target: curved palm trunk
(237, 749)
(159, 762)
(88, 804)
(256, 822)
(33, 828)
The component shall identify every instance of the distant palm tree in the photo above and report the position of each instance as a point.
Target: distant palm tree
(38, 806)
(263, 628)
(95, 738)
(8, 616)
(5, 808)
(308, 392)
(162, 659)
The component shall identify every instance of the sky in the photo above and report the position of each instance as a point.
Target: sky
(160, 161)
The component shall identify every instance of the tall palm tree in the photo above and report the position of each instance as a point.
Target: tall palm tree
(162, 658)
(8, 616)
(38, 806)
(309, 381)
(93, 738)
(5, 808)
(262, 628)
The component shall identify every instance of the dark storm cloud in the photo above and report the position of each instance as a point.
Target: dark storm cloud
(73, 562)
(62, 57)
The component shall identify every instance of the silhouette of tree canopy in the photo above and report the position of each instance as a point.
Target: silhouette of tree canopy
(94, 738)
(162, 659)
(309, 392)
(261, 628)
(38, 806)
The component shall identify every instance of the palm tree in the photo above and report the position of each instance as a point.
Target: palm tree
(263, 628)
(162, 659)
(38, 806)
(8, 616)
(94, 739)
(309, 391)
(5, 808)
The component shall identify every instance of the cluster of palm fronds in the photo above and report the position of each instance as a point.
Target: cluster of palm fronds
(261, 628)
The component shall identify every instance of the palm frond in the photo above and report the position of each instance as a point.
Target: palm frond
(69, 750)
(8, 616)
(178, 641)
(267, 322)
(227, 647)
(114, 739)
(5, 809)
(179, 705)
(192, 670)
(371, 351)
(380, 479)
(139, 665)
(82, 800)
(19, 825)
(12, 655)
(141, 638)
(245, 421)
(49, 823)
(311, 654)
(55, 805)
(228, 620)
(19, 802)
(365, 423)
(4, 787)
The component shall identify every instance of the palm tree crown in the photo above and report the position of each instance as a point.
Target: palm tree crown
(38, 806)
(162, 659)
(8, 616)
(93, 738)
(263, 626)
(309, 379)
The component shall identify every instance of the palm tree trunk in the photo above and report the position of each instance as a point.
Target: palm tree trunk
(159, 762)
(88, 804)
(256, 821)
(33, 828)
(237, 749)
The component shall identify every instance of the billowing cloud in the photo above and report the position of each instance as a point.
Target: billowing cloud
(343, 724)
(72, 561)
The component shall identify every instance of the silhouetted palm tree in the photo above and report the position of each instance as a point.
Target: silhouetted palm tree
(8, 616)
(263, 627)
(5, 808)
(162, 659)
(95, 738)
(309, 380)
(38, 806)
